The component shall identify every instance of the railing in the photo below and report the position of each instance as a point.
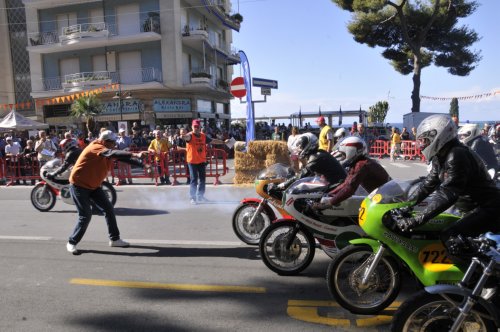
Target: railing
(87, 76)
(131, 76)
(85, 27)
(43, 38)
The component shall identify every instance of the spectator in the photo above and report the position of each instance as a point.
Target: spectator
(196, 148)
(292, 149)
(354, 128)
(325, 136)
(90, 138)
(405, 135)
(123, 143)
(45, 148)
(158, 146)
(138, 141)
(395, 144)
(12, 151)
(413, 135)
(361, 133)
(85, 186)
(29, 159)
(276, 135)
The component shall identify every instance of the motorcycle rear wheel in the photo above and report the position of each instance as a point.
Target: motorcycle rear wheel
(280, 259)
(344, 281)
(426, 312)
(250, 234)
(42, 198)
(110, 192)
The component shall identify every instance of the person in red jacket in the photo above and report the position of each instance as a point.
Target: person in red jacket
(196, 157)
(362, 171)
(85, 180)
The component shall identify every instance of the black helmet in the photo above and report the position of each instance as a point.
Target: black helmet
(307, 144)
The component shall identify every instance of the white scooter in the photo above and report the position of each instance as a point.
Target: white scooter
(44, 194)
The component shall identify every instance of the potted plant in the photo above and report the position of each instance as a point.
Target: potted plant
(200, 77)
(237, 17)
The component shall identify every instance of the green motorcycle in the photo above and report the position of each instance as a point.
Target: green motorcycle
(365, 276)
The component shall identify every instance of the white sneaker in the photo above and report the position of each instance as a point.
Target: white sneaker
(119, 243)
(71, 248)
(193, 202)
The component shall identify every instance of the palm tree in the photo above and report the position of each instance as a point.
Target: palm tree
(87, 108)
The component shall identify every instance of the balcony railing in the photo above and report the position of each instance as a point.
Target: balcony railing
(130, 76)
(83, 31)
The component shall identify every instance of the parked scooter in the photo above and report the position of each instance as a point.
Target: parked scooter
(288, 246)
(462, 307)
(43, 195)
(253, 215)
(365, 276)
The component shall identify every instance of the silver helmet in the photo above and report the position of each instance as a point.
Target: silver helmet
(434, 132)
(468, 132)
(306, 145)
(350, 149)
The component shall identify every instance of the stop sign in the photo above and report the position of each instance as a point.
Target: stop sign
(238, 87)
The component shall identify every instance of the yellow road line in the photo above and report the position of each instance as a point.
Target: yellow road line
(305, 303)
(311, 315)
(175, 287)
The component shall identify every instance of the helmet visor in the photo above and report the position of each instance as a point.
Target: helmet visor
(426, 138)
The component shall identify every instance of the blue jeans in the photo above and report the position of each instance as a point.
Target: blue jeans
(197, 183)
(82, 198)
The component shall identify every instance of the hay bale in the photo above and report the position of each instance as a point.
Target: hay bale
(247, 162)
(243, 177)
(275, 159)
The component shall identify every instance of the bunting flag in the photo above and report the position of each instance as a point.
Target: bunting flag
(471, 97)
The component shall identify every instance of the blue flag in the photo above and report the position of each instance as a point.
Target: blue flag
(340, 116)
(250, 132)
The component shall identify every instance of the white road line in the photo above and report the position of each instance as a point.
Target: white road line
(27, 238)
(400, 165)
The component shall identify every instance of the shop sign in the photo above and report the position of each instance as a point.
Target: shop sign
(127, 106)
(171, 105)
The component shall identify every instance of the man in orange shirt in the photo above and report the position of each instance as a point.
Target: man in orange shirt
(85, 180)
(196, 155)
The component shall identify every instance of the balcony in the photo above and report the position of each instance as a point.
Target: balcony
(86, 79)
(199, 39)
(201, 80)
(84, 36)
(88, 30)
(141, 78)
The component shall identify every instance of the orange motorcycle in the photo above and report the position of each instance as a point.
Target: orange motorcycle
(253, 215)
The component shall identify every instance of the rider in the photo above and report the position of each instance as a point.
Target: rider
(71, 153)
(362, 170)
(470, 135)
(339, 135)
(456, 171)
(318, 161)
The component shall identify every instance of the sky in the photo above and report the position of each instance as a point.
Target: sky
(305, 46)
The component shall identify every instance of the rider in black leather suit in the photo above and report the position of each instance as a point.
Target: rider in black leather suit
(456, 172)
(470, 135)
(318, 162)
(71, 154)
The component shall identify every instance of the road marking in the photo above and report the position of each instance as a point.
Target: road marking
(27, 238)
(174, 287)
(186, 242)
(400, 165)
(307, 311)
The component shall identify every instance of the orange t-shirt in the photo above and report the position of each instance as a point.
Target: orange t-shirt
(196, 149)
(90, 169)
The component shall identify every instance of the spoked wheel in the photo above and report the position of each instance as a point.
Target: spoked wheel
(426, 312)
(283, 254)
(110, 192)
(345, 275)
(42, 198)
(247, 232)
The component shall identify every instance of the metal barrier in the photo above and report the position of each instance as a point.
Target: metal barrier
(16, 168)
(379, 148)
(409, 150)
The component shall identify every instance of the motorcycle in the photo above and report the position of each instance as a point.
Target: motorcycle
(253, 215)
(288, 246)
(44, 194)
(364, 277)
(461, 307)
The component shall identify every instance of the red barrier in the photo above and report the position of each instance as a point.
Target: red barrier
(379, 148)
(17, 168)
(216, 164)
(180, 168)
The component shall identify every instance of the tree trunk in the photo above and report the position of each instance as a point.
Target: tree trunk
(415, 94)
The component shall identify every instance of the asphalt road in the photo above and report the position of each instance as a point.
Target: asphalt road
(185, 270)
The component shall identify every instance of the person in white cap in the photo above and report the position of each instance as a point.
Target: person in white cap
(85, 180)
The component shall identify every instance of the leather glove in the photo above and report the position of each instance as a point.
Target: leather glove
(50, 176)
(325, 203)
(408, 224)
(281, 186)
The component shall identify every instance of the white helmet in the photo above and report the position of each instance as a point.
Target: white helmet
(341, 132)
(468, 132)
(306, 144)
(350, 149)
(68, 144)
(107, 135)
(434, 132)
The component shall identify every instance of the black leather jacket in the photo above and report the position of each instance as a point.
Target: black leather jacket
(485, 150)
(456, 172)
(322, 163)
(69, 160)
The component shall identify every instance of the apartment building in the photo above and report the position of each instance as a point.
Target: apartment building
(170, 59)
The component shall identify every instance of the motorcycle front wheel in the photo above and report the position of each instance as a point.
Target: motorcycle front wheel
(345, 275)
(426, 312)
(42, 198)
(110, 192)
(246, 232)
(279, 256)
